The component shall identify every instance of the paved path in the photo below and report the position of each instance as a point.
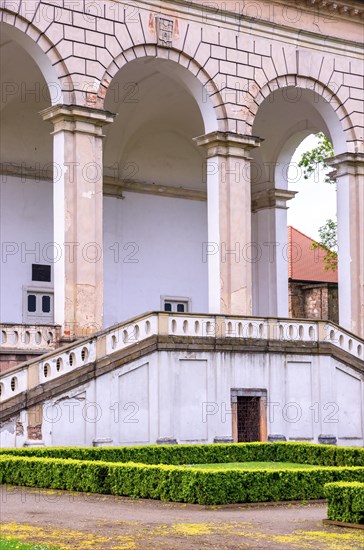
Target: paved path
(81, 521)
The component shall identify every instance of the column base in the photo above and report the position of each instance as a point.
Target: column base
(166, 441)
(223, 439)
(272, 438)
(327, 439)
(102, 442)
(34, 443)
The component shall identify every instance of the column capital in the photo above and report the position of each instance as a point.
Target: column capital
(271, 198)
(227, 144)
(76, 118)
(351, 164)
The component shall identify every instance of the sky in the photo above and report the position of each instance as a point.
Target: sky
(315, 201)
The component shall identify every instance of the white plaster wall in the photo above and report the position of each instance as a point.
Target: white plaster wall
(187, 396)
(71, 419)
(13, 435)
(26, 227)
(152, 247)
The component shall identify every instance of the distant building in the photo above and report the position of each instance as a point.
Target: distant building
(312, 289)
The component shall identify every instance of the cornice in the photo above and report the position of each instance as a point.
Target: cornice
(350, 9)
(230, 14)
(353, 9)
(113, 187)
(116, 188)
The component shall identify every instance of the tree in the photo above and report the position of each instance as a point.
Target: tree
(311, 162)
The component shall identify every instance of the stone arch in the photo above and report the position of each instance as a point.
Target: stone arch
(336, 116)
(194, 78)
(45, 55)
(283, 112)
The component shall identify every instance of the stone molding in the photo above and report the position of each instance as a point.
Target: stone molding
(353, 9)
(228, 144)
(25, 172)
(76, 118)
(271, 198)
(247, 392)
(346, 164)
(115, 188)
(334, 7)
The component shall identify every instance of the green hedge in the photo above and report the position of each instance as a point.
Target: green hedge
(301, 453)
(174, 483)
(345, 501)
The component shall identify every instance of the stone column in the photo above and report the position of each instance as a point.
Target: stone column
(349, 175)
(78, 219)
(270, 272)
(229, 251)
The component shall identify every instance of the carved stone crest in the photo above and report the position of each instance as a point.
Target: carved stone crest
(164, 31)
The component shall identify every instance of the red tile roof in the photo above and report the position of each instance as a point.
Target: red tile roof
(305, 263)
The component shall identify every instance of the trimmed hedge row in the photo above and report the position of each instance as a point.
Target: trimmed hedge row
(173, 483)
(345, 501)
(301, 453)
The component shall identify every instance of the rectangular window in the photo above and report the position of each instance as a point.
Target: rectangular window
(32, 303)
(38, 306)
(46, 304)
(41, 273)
(175, 304)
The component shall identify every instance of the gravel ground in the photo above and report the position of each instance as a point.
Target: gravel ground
(80, 521)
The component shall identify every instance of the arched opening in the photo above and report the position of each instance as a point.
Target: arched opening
(26, 213)
(153, 236)
(312, 234)
(314, 189)
(284, 119)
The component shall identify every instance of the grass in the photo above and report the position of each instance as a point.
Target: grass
(13, 544)
(251, 466)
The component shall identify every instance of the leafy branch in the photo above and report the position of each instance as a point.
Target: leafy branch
(312, 161)
(328, 241)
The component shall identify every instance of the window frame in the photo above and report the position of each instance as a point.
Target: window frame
(187, 301)
(36, 317)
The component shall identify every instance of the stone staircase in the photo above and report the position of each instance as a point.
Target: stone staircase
(95, 364)
(53, 367)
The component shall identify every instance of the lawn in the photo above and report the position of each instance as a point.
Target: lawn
(13, 544)
(251, 466)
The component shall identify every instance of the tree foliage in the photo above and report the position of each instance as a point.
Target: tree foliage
(315, 159)
(328, 240)
(311, 162)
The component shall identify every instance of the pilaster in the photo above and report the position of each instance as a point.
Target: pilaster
(229, 248)
(78, 216)
(348, 170)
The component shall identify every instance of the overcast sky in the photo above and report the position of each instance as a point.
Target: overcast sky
(315, 201)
